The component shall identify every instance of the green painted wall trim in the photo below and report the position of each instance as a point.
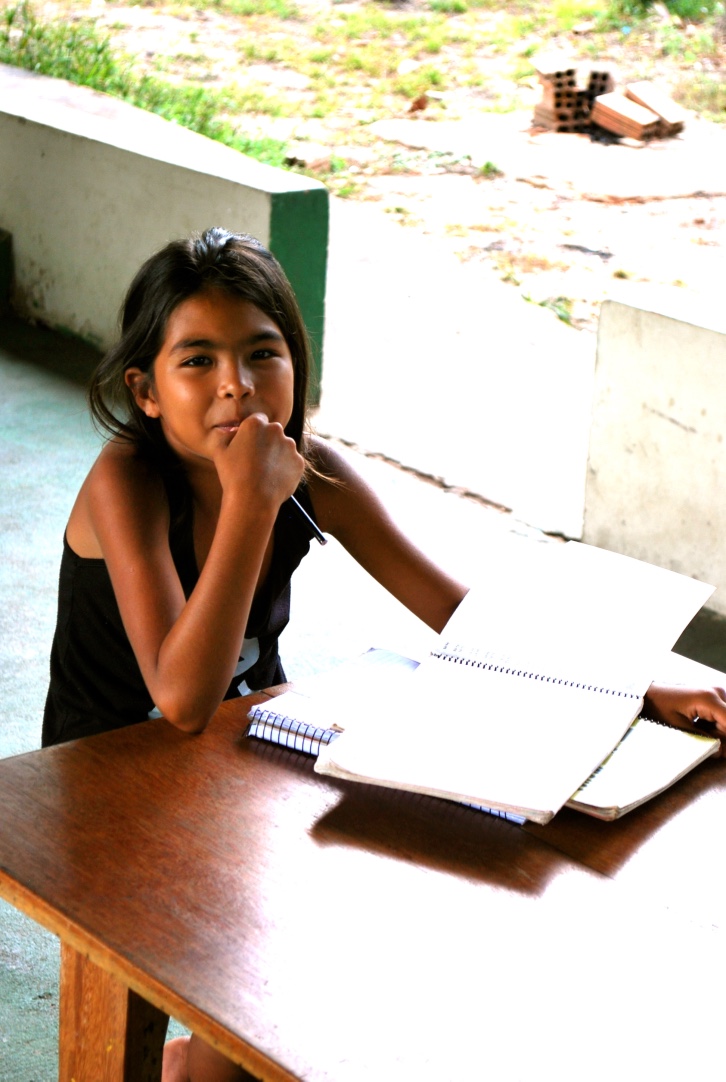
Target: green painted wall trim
(299, 240)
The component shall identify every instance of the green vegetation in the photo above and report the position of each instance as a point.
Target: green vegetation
(705, 94)
(278, 9)
(561, 306)
(449, 7)
(83, 54)
(367, 62)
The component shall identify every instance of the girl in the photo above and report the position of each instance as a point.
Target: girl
(175, 576)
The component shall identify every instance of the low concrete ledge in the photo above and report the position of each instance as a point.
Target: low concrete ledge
(656, 474)
(90, 186)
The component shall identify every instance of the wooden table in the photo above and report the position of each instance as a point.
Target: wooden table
(322, 930)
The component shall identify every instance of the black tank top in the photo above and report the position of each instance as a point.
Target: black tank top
(95, 680)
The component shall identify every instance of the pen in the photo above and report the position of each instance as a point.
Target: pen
(312, 526)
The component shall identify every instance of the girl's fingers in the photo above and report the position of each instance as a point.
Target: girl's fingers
(260, 457)
(686, 707)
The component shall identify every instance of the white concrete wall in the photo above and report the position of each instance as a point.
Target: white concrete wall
(91, 186)
(656, 478)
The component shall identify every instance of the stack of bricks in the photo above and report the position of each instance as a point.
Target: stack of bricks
(639, 112)
(564, 106)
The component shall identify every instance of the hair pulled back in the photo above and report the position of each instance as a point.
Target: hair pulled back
(216, 259)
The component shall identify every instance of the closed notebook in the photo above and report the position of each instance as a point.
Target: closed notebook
(650, 758)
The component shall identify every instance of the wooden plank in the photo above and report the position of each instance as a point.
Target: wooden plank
(107, 1032)
(671, 115)
(619, 114)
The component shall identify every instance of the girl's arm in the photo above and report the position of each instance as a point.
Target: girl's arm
(354, 515)
(188, 650)
(347, 508)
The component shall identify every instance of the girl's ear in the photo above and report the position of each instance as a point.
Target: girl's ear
(140, 385)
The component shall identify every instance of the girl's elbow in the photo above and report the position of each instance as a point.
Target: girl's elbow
(190, 725)
(185, 718)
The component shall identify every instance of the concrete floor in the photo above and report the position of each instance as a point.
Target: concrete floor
(46, 447)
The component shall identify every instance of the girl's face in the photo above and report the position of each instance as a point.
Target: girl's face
(221, 360)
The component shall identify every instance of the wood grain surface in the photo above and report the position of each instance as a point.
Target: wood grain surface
(334, 932)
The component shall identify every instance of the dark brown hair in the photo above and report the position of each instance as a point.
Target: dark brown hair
(216, 259)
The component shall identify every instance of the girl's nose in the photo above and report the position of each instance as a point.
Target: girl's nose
(236, 381)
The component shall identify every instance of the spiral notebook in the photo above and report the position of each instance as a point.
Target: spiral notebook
(649, 759)
(310, 716)
(535, 680)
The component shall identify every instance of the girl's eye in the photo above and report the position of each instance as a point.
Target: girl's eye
(196, 362)
(262, 354)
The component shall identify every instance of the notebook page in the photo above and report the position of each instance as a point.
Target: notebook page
(649, 758)
(342, 697)
(485, 737)
(578, 612)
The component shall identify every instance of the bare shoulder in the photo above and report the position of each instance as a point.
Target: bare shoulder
(336, 487)
(121, 491)
(327, 460)
(120, 465)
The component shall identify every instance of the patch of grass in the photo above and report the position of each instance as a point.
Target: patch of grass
(489, 170)
(370, 58)
(434, 44)
(252, 50)
(620, 13)
(403, 215)
(75, 51)
(278, 9)
(521, 69)
(419, 81)
(705, 94)
(568, 13)
(694, 11)
(561, 306)
(449, 7)
(688, 48)
(83, 54)
(371, 21)
(321, 56)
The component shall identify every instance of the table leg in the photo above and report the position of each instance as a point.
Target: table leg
(107, 1032)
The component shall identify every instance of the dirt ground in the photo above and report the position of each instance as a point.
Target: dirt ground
(564, 219)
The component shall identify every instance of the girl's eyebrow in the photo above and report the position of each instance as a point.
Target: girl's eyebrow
(267, 335)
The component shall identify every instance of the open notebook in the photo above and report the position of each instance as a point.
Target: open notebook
(649, 758)
(534, 681)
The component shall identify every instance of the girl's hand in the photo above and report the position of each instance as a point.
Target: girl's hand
(680, 706)
(260, 460)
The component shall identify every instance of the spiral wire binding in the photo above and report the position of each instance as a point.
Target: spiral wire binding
(298, 735)
(445, 654)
